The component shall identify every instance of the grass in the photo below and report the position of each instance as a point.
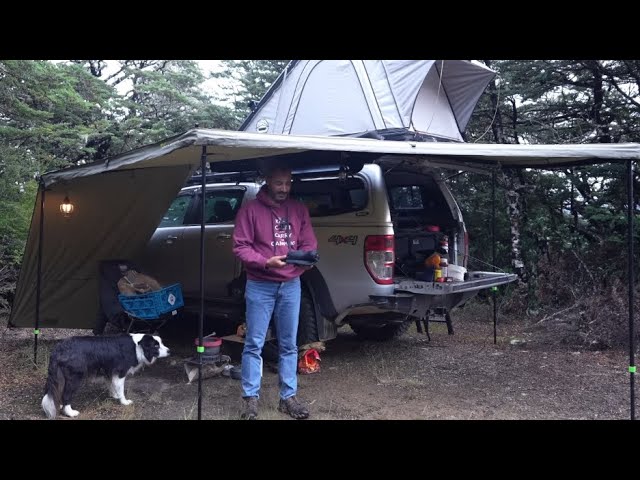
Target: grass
(190, 412)
(22, 358)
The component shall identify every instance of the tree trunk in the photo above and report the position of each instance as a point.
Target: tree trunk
(596, 114)
(513, 186)
(496, 122)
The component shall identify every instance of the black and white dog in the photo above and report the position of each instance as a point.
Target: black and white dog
(115, 357)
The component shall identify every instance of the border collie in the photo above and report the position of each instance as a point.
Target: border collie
(114, 356)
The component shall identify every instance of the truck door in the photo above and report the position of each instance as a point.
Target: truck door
(164, 253)
(221, 266)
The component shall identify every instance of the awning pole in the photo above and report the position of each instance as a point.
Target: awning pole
(36, 330)
(493, 255)
(200, 348)
(630, 213)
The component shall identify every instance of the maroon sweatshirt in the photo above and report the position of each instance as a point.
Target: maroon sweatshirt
(264, 228)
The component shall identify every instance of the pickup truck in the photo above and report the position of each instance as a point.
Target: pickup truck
(376, 228)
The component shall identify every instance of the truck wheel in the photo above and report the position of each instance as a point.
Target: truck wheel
(380, 332)
(307, 324)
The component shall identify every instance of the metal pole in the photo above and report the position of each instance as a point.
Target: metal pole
(630, 213)
(493, 255)
(200, 348)
(36, 330)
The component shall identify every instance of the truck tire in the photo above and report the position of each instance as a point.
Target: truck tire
(307, 323)
(380, 332)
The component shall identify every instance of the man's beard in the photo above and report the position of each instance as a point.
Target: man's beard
(279, 197)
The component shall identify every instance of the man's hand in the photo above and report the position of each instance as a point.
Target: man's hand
(276, 262)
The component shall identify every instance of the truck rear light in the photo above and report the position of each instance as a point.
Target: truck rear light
(379, 258)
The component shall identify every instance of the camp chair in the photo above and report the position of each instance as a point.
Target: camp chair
(142, 312)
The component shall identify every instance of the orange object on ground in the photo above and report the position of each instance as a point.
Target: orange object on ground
(309, 362)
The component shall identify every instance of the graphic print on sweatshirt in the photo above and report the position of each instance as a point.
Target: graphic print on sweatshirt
(282, 233)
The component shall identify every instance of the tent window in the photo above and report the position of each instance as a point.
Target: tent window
(176, 212)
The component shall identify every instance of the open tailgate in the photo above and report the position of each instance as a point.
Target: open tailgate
(476, 281)
(415, 297)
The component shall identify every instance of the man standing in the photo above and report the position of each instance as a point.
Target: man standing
(265, 230)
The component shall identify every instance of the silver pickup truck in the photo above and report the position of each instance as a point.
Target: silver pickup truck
(375, 230)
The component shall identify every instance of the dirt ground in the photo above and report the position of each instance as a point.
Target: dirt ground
(461, 376)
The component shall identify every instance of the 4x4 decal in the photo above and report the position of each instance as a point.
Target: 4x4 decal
(339, 239)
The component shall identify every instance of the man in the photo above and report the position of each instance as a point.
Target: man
(266, 229)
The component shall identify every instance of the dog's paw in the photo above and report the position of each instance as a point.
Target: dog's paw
(124, 401)
(70, 412)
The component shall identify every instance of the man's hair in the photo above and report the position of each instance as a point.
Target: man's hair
(276, 167)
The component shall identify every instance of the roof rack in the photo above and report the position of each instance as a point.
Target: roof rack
(255, 176)
(226, 177)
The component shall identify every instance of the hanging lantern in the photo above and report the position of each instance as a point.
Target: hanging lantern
(66, 207)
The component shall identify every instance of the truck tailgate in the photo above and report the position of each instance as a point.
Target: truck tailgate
(416, 298)
(476, 281)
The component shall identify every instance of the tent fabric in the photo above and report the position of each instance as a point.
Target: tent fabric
(346, 97)
(119, 202)
(231, 146)
(114, 215)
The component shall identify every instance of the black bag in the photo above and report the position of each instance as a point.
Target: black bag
(300, 257)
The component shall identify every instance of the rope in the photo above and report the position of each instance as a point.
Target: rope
(486, 263)
(433, 113)
(494, 115)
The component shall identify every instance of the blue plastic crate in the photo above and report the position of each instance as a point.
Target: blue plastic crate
(153, 304)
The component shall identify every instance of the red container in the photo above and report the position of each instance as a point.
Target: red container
(211, 348)
(209, 342)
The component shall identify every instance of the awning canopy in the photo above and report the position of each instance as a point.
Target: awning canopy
(119, 202)
(231, 146)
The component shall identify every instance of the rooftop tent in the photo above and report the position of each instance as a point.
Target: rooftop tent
(434, 98)
(120, 201)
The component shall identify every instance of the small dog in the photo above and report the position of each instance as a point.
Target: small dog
(113, 356)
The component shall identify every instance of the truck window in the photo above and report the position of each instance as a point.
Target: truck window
(328, 196)
(176, 212)
(222, 205)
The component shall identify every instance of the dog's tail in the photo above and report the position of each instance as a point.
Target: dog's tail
(53, 390)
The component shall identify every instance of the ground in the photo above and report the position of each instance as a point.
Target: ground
(461, 376)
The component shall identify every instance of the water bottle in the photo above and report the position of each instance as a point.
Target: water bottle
(444, 267)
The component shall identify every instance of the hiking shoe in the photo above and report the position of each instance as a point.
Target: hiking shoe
(250, 408)
(292, 407)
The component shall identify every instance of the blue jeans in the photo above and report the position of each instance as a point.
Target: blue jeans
(264, 299)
